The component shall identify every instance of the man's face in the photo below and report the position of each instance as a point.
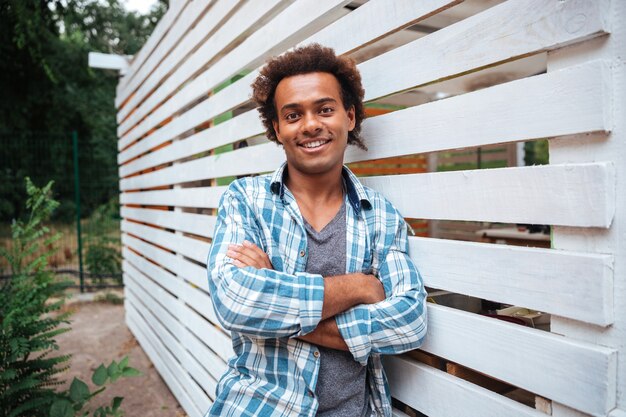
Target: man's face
(312, 123)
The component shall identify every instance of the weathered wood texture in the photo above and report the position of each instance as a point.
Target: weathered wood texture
(184, 78)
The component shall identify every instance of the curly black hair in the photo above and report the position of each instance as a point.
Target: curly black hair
(304, 60)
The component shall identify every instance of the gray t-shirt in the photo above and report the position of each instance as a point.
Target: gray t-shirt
(341, 386)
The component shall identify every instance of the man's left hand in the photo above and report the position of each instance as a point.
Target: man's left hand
(248, 254)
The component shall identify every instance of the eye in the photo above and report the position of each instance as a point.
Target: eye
(291, 116)
(326, 109)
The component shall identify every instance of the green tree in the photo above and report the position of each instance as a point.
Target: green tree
(48, 90)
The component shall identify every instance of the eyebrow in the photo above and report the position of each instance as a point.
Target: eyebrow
(318, 101)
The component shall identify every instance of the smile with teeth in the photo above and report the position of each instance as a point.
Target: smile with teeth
(315, 144)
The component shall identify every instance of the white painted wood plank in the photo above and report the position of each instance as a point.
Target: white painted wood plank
(571, 195)
(199, 399)
(542, 279)
(181, 267)
(173, 334)
(239, 24)
(515, 111)
(576, 374)
(260, 158)
(503, 275)
(200, 197)
(161, 361)
(218, 341)
(436, 393)
(484, 39)
(187, 246)
(580, 195)
(183, 36)
(168, 376)
(374, 20)
(148, 48)
(243, 126)
(501, 42)
(215, 338)
(295, 23)
(379, 17)
(573, 100)
(199, 224)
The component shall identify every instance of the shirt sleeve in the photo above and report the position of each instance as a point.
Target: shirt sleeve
(261, 303)
(398, 323)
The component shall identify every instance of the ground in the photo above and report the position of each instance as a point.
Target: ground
(99, 335)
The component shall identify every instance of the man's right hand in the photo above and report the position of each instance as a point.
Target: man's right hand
(342, 292)
(372, 290)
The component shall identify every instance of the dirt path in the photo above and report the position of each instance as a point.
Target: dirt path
(99, 335)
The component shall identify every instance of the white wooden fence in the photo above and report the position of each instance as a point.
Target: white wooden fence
(168, 101)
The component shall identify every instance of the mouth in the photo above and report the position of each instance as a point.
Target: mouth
(313, 145)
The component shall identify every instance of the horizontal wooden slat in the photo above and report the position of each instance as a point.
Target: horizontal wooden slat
(242, 127)
(295, 23)
(217, 340)
(184, 36)
(168, 368)
(432, 48)
(503, 275)
(162, 318)
(566, 195)
(240, 24)
(374, 20)
(402, 13)
(161, 29)
(200, 224)
(573, 373)
(436, 393)
(200, 197)
(172, 333)
(482, 40)
(180, 266)
(542, 279)
(187, 246)
(520, 110)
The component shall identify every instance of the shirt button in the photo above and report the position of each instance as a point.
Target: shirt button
(316, 354)
(301, 253)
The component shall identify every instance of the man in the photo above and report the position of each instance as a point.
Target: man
(309, 269)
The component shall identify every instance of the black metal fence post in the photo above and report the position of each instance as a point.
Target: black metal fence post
(77, 201)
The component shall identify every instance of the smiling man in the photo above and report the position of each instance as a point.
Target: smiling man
(309, 269)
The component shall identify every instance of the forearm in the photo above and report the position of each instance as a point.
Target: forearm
(265, 303)
(326, 334)
(343, 292)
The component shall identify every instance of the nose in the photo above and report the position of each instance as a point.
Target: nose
(311, 124)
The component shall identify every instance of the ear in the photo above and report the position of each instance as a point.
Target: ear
(352, 118)
(275, 126)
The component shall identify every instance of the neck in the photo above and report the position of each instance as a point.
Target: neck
(319, 188)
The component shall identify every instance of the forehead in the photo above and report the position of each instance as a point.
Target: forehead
(302, 88)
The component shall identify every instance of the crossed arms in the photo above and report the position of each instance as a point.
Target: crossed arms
(350, 312)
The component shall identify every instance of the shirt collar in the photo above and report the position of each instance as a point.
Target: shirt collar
(354, 189)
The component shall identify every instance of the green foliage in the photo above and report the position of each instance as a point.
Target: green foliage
(72, 402)
(27, 326)
(103, 257)
(30, 320)
(48, 91)
(536, 153)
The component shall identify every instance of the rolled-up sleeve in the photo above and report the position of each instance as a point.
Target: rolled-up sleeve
(398, 323)
(261, 303)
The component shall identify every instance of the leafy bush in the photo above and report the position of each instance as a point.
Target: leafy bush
(103, 256)
(30, 320)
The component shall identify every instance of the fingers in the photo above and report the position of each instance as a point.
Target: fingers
(248, 254)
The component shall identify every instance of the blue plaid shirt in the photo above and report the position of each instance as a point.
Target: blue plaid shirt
(273, 373)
